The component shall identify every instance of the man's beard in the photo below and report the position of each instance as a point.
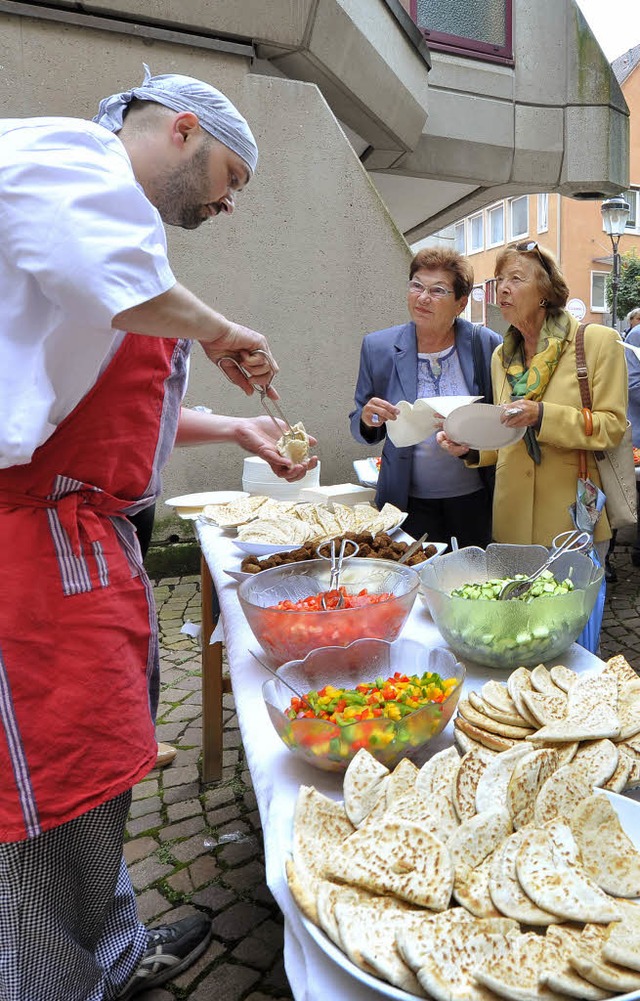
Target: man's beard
(180, 197)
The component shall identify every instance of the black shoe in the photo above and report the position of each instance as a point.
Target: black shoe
(170, 950)
(610, 572)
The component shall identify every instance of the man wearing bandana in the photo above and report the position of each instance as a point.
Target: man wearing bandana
(95, 334)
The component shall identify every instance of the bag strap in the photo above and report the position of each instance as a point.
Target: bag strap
(479, 361)
(585, 396)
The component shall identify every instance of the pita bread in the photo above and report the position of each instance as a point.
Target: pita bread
(620, 668)
(396, 857)
(367, 929)
(479, 836)
(530, 773)
(608, 854)
(482, 737)
(563, 677)
(629, 709)
(565, 752)
(591, 712)
(303, 887)
(466, 781)
(620, 778)
(449, 971)
(327, 896)
(491, 790)
(412, 806)
(505, 889)
(466, 744)
(557, 887)
(511, 719)
(496, 694)
(622, 944)
(274, 532)
(560, 794)
(319, 825)
(402, 780)
(415, 945)
(471, 889)
(598, 760)
(363, 785)
(478, 719)
(564, 843)
(518, 682)
(542, 681)
(545, 708)
(515, 973)
(616, 979)
(294, 444)
(435, 780)
(563, 977)
(633, 778)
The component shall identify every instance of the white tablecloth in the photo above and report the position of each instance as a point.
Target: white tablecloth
(277, 776)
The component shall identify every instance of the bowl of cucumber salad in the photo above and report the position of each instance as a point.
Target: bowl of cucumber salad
(461, 591)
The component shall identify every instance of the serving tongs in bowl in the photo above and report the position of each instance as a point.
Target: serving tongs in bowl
(336, 570)
(271, 407)
(572, 541)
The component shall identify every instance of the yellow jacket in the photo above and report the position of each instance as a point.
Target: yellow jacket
(531, 501)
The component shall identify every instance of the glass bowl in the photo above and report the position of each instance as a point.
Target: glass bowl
(508, 634)
(331, 747)
(291, 635)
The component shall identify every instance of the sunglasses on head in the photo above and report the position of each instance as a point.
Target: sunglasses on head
(531, 247)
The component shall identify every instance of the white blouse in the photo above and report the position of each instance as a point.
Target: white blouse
(80, 243)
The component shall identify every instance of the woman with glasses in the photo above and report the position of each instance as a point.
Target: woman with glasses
(534, 375)
(436, 354)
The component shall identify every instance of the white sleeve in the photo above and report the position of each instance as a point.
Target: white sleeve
(74, 218)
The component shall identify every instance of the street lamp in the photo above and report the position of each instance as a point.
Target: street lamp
(615, 212)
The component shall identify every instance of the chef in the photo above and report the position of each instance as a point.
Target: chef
(95, 335)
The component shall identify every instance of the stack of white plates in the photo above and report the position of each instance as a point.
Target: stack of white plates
(259, 478)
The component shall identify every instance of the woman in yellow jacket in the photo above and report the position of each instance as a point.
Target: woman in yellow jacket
(533, 373)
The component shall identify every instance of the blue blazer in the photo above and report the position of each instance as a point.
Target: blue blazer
(389, 370)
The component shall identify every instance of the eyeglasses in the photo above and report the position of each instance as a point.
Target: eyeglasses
(433, 291)
(531, 247)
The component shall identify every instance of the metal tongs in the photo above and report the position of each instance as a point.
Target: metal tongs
(572, 541)
(271, 407)
(336, 569)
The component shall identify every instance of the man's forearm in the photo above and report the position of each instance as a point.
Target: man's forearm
(176, 313)
(197, 428)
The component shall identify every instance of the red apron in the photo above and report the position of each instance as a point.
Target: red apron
(78, 636)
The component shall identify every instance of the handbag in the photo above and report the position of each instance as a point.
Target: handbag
(615, 465)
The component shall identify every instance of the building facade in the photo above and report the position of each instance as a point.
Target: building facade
(572, 229)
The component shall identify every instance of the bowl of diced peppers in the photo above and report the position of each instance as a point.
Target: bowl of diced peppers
(283, 605)
(390, 698)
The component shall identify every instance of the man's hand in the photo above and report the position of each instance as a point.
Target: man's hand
(259, 435)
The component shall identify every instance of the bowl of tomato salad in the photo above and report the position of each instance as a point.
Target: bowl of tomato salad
(390, 698)
(283, 606)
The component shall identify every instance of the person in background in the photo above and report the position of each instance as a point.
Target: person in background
(633, 320)
(95, 334)
(534, 379)
(437, 353)
(633, 413)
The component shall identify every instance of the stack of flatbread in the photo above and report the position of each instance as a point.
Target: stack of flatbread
(475, 877)
(592, 719)
(265, 520)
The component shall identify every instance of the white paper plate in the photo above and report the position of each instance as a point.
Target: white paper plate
(239, 575)
(628, 811)
(189, 506)
(478, 426)
(367, 471)
(417, 421)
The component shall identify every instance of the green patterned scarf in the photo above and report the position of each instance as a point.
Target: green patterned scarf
(531, 383)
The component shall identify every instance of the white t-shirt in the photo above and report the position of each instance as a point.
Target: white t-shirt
(80, 243)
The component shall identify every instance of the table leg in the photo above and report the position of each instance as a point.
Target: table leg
(213, 684)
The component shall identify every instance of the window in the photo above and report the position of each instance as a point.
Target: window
(632, 197)
(458, 237)
(495, 225)
(543, 213)
(478, 28)
(490, 292)
(519, 216)
(598, 298)
(476, 233)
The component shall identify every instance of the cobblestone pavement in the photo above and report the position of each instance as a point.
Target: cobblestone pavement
(191, 847)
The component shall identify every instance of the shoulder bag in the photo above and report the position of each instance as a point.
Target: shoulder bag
(615, 465)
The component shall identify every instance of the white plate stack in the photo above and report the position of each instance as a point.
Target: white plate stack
(259, 478)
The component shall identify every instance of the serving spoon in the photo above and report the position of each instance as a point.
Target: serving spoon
(281, 679)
